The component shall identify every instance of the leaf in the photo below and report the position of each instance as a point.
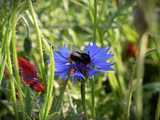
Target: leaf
(152, 87)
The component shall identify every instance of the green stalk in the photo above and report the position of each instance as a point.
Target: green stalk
(15, 62)
(95, 20)
(49, 92)
(93, 113)
(157, 115)
(129, 101)
(93, 98)
(43, 115)
(83, 98)
(11, 81)
(39, 38)
(140, 73)
(50, 83)
(118, 59)
(2, 54)
(13, 90)
(2, 67)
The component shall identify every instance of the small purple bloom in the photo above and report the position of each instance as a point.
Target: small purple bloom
(78, 65)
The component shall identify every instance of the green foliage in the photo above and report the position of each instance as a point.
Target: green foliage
(35, 28)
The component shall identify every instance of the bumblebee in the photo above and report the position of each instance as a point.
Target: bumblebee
(78, 57)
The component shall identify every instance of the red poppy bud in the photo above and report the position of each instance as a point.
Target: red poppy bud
(29, 82)
(132, 50)
(29, 75)
(27, 69)
(38, 87)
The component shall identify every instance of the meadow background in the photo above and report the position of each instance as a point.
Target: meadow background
(34, 29)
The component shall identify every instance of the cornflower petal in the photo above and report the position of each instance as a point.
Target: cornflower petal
(92, 72)
(99, 57)
(104, 66)
(78, 76)
(62, 55)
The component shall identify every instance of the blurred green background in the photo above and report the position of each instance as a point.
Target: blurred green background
(131, 28)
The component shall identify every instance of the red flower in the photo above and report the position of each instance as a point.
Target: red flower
(132, 50)
(38, 87)
(27, 69)
(29, 75)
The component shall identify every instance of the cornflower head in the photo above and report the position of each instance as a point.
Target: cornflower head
(80, 65)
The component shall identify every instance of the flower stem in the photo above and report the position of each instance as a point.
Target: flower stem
(83, 92)
(93, 99)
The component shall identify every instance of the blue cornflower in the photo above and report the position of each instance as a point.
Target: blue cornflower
(78, 65)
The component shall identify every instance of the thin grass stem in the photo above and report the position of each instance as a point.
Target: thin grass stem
(93, 99)
(83, 97)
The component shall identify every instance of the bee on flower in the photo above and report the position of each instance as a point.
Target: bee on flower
(78, 65)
